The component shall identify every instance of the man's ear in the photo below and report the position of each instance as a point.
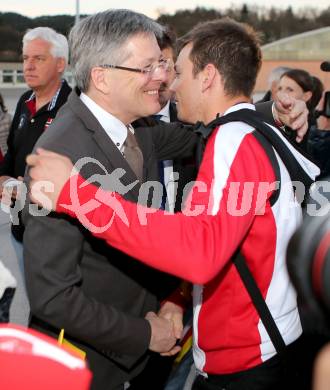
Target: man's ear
(208, 76)
(99, 79)
(61, 64)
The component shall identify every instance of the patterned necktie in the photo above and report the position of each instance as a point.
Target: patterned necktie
(133, 155)
(157, 117)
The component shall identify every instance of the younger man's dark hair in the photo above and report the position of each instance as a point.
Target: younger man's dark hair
(167, 39)
(232, 47)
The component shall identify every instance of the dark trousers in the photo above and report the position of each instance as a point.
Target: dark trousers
(284, 372)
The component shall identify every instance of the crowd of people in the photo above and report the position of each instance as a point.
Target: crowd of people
(155, 187)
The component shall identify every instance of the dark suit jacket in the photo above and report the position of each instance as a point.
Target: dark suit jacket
(76, 282)
(186, 167)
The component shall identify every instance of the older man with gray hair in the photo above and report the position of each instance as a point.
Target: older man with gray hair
(273, 81)
(106, 306)
(45, 56)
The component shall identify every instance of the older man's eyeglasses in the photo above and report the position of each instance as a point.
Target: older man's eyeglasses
(150, 71)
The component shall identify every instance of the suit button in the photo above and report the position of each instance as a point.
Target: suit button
(32, 120)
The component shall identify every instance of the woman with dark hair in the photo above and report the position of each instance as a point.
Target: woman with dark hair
(299, 84)
(5, 122)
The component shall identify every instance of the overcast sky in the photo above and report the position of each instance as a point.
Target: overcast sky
(150, 7)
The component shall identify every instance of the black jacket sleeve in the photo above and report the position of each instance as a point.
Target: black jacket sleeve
(173, 140)
(265, 108)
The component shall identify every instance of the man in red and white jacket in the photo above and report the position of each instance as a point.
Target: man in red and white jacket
(228, 208)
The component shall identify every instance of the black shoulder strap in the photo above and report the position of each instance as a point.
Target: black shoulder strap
(256, 120)
(258, 301)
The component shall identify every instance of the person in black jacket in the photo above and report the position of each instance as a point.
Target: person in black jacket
(45, 56)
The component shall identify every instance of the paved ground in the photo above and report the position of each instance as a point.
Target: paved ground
(11, 256)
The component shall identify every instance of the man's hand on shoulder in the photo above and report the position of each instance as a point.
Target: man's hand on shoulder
(292, 113)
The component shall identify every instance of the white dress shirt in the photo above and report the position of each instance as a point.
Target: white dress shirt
(116, 130)
(168, 165)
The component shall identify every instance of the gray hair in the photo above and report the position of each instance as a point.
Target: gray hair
(59, 44)
(276, 74)
(99, 39)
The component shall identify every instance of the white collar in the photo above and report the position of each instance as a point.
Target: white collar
(165, 113)
(115, 129)
(239, 106)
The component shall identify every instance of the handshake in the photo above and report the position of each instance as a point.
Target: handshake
(166, 329)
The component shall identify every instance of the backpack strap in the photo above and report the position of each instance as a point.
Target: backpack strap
(258, 301)
(256, 120)
(203, 132)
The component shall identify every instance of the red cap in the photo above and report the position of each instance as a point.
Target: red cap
(33, 361)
